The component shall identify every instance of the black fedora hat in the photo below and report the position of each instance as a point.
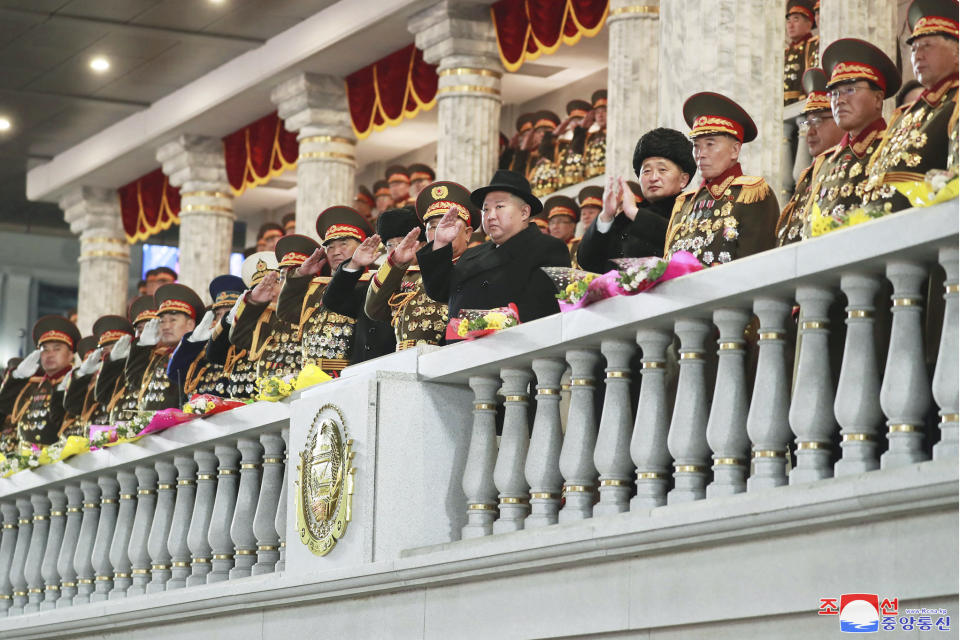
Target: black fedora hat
(511, 182)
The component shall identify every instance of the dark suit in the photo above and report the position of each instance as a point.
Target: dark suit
(638, 238)
(346, 295)
(488, 276)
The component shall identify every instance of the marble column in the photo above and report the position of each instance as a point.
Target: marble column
(18, 579)
(611, 456)
(103, 568)
(83, 550)
(648, 445)
(945, 375)
(119, 548)
(580, 440)
(477, 482)
(872, 20)
(182, 513)
(204, 495)
(512, 455)
(197, 166)
(271, 485)
(542, 468)
(459, 39)
(721, 50)
(245, 511)
(160, 529)
(315, 106)
(142, 523)
(224, 504)
(280, 522)
(93, 213)
(633, 30)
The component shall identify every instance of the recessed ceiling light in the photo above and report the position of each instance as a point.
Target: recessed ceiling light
(216, 1)
(5, 124)
(99, 64)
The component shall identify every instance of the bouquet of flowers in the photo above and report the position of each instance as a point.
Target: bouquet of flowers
(206, 404)
(311, 375)
(578, 288)
(164, 419)
(275, 388)
(63, 449)
(639, 274)
(475, 323)
(109, 435)
(10, 465)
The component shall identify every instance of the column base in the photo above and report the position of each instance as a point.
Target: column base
(905, 448)
(859, 456)
(768, 473)
(479, 523)
(688, 486)
(812, 465)
(949, 445)
(651, 491)
(243, 564)
(613, 498)
(266, 562)
(158, 580)
(578, 506)
(512, 516)
(728, 479)
(67, 594)
(120, 586)
(199, 573)
(543, 512)
(221, 570)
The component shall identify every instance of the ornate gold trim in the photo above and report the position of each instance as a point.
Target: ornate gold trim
(581, 382)
(903, 428)
(73, 509)
(514, 500)
(768, 453)
(141, 572)
(227, 472)
(814, 324)
(327, 139)
(206, 476)
(468, 71)
(223, 556)
(249, 465)
(577, 488)
(618, 374)
(548, 391)
(24, 521)
(772, 335)
(640, 9)
(484, 406)
(859, 313)
(103, 240)
(163, 486)
(691, 355)
(468, 88)
(127, 496)
(543, 495)
(688, 468)
(654, 364)
(40, 518)
(615, 483)
(517, 398)
(266, 547)
(204, 208)
(953, 288)
(731, 346)
(201, 560)
(56, 514)
(478, 506)
(813, 445)
(950, 417)
(857, 437)
(273, 460)
(323, 155)
(650, 475)
(105, 254)
(109, 501)
(906, 302)
(246, 552)
(728, 461)
(120, 575)
(146, 492)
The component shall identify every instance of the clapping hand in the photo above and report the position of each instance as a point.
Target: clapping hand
(447, 230)
(406, 252)
(365, 254)
(628, 199)
(611, 199)
(313, 264)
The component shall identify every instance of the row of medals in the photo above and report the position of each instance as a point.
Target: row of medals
(157, 386)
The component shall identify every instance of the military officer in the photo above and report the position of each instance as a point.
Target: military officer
(381, 194)
(505, 270)
(571, 138)
(111, 388)
(591, 203)
(542, 171)
(595, 145)
(514, 156)
(80, 401)
(398, 179)
(626, 228)
(801, 53)
(822, 134)
(918, 137)
(364, 203)
(562, 214)
(861, 76)
(32, 398)
(420, 176)
(729, 215)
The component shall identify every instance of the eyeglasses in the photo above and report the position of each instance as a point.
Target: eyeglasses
(813, 121)
(845, 91)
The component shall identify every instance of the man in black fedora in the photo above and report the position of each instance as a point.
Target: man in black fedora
(506, 269)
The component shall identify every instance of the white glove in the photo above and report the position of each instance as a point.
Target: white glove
(121, 348)
(91, 363)
(66, 381)
(202, 332)
(150, 334)
(29, 365)
(232, 314)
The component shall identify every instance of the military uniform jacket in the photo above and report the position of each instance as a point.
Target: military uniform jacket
(110, 388)
(396, 295)
(917, 140)
(731, 217)
(231, 372)
(488, 276)
(346, 295)
(797, 58)
(146, 375)
(325, 337)
(81, 406)
(595, 153)
(275, 342)
(641, 237)
(35, 406)
(796, 214)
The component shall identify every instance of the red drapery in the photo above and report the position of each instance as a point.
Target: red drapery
(259, 152)
(528, 28)
(148, 205)
(385, 92)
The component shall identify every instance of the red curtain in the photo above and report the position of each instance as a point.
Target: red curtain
(394, 87)
(148, 205)
(528, 28)
(259, 152)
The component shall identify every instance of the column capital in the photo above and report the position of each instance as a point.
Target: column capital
(195, 163)
(92, 210)
(455, 34)
(633, 9)
(314, 104)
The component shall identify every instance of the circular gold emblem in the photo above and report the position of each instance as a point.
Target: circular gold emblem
(439, 192)
(325, 484)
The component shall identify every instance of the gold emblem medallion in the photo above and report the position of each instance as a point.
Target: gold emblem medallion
(439, 192)
(324, 487)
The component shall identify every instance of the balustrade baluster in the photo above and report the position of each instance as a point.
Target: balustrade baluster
(542, 469)
(477, 481)
(38, 545)
(119, 547)
(8, 544)
(264, 522)
(648, 445)
(48, 567)
(945, 379)
(142, 522)
(241, 529)
(727, 424)
(66, 566)
(857, 405)
(281, 522)
(197, 538)
(768, 421)
(512, 454)
(611, 456)
(576, 454)
(83, 555)
(905, 391)
(18, 578)
(160, 529)
(102, 567)
(223, 507)
(687, 439)
(180, 526)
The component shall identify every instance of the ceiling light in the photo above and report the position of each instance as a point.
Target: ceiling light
(216, 1)
(5, 124)
(99, 64)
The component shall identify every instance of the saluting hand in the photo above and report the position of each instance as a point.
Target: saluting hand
(91, 363)
(589, 119)
(313, 264)
(450, 225)
(121, 348)
(267, 290)
(628, 200)
(406, 252)
(150, 334)
(28, 366)
(365, 254)
(203, 331)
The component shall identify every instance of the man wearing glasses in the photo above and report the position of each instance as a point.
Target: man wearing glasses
(822, 134)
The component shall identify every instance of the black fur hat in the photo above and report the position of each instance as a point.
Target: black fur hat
(665, 143)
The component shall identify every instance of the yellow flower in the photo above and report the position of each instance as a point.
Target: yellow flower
(188, 408)
(210, 405)
(858, 217)
(495, 316)
(589, 277)
(462, 329)
(571, 288)
(495, 324)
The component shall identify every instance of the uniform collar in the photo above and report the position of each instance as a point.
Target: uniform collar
(58, 376)
(860, 143)
(933, 95)
(803, 38)
(718, 185)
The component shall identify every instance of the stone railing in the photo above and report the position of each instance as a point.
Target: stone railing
(675, 409)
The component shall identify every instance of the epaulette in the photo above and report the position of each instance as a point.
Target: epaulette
(365, 277)
(678, 203)
(752, 189)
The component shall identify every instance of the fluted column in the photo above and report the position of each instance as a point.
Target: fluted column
(109, 489)
(315, 106)
(477, 481)
(197, 166)
(611, 456)
(872, 20)
(768, 423)
(119, 548)
(648, 446)
(811, 407)
(731, 48)
(224, 505)
(945, 382)
(66, 567)
(48, 566)
(142, 522)
(8, 544)
(83, 555)
(18, 579)
(281, 520)
(248, 494)
(93, 213)
(687, 439)
(197, 538)
(38, 545)
(459, 39)
(264, 521)
(512, 454)
(905, 391)
(580, 439)
(857, 406)
(633, 30)
(180, 527)
(160, 529)
(542, 469)
(727, 424)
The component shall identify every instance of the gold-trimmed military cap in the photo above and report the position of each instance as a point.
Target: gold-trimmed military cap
(591, 196)
(420, 171)
(546, 118)
(109, 329)
(561, 206)
(335, 223)
(710, 114)
(225, 290)
(815, 84)
(932, 17)
(436, 198)
(578, 108)
(294, 249)
(86, 345)
(851, 59)
(55, 328)
(803, 8)
(397, 173)
(525, 121)
(381, 188)
(257, 266)
(142, 309)
(364, 195)
(599, 98)
(178, 298)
